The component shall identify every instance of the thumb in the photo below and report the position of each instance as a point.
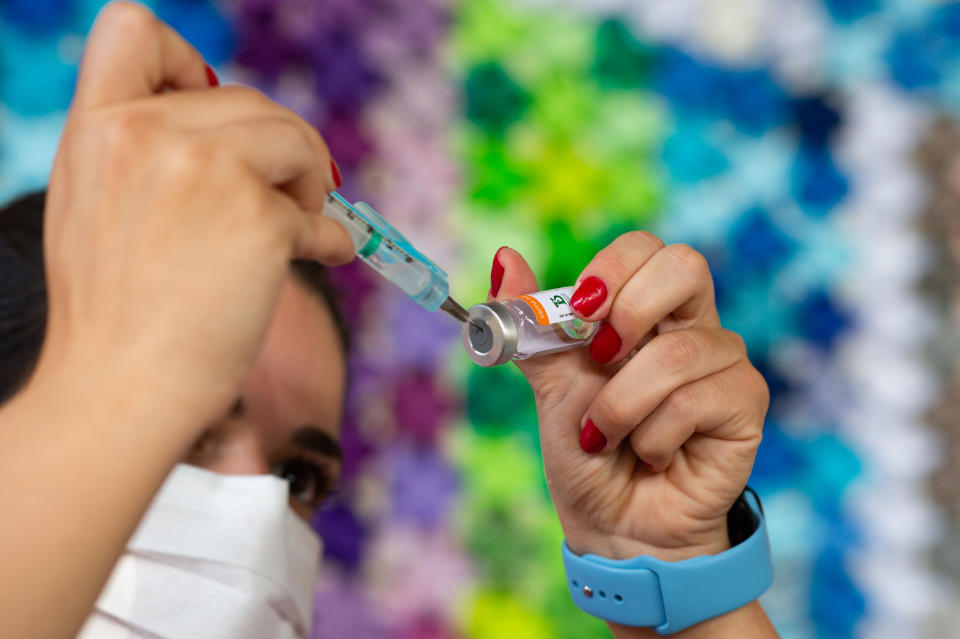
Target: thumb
(510, 275)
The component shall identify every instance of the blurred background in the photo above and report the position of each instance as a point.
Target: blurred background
(809, 148)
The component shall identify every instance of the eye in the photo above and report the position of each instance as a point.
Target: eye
(309, 482)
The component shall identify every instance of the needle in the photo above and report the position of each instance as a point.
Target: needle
(456, 311)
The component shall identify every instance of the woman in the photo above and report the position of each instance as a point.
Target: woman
(177, 332)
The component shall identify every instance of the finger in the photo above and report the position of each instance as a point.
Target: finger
(728, 405)
(510, 275)
(281, 153)
(665, 364)
(672, 290)
(131, 54)
(201, 110)
(609, 270)
(312, 236)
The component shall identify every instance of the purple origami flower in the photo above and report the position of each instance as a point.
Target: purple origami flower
(420, 339)
(421, 407)
(346, 15)
(347, 138)
(356, 449)
(343, 535)
(426, 628)
(417, 576)
(407, 32)
(345, 79)
(341, 610)
(420, 97)
(261, 44)
(420, 483)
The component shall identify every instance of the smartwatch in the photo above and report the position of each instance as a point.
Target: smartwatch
(673, 595)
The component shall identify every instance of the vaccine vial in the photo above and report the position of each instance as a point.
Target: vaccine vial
(524, 326)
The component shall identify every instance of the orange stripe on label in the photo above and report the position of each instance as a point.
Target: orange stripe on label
(538, 309)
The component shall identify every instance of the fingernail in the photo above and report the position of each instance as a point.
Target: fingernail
(336, 174)
(589, 296)
(496, 273)
(606, 343)
(212, 77)
(591, 439)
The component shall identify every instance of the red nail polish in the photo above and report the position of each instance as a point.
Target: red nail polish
(591, 439)
(212, 77)
(496, 273)
(606, 343)
(336, 174)
(589, 296)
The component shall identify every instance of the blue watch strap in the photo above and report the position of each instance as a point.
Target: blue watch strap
(672, 596)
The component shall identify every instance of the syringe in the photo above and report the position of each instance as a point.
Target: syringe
(382, 246)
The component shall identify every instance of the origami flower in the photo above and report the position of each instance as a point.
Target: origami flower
(421, 485)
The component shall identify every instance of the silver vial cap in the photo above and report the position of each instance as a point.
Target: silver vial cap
(490, 335)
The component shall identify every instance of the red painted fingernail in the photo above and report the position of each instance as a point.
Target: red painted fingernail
(606, 343)
(336, 174)
(212, 77)
(589, 296)
(591, 439)
(496, 273)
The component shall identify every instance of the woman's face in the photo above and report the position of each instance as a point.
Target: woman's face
(287, 418)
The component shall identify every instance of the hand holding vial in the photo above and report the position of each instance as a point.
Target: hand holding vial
(649, 437)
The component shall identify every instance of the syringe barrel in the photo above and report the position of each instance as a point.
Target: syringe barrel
(425, 283)
(359, 230)
(424, 286)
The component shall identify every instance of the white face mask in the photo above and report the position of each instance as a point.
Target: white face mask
(215, 556)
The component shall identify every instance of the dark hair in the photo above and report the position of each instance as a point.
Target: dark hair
(23, 290)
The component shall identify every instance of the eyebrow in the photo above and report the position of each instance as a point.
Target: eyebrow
(318, 441)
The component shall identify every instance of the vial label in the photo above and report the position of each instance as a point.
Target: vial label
(551, 307)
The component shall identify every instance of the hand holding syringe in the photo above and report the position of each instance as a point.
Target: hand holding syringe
(384, 248)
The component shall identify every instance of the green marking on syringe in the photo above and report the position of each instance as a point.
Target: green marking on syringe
(371, 246)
